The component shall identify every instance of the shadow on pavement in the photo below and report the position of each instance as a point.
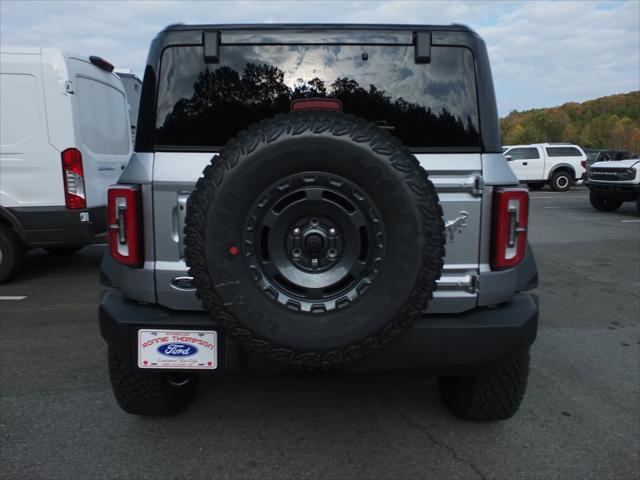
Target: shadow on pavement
(40, 264)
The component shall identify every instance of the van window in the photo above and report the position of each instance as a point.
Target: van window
(20, 115)
(424, 105)
(103, 115)
(132, 87)
(563, 152)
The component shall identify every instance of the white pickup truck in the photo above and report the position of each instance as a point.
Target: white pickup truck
(538, 164)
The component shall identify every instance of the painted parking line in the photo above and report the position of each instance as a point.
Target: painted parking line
(571, 208)
(630, 221)
(13, 297)
(560, 197)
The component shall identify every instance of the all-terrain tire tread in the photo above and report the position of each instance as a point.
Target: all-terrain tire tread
(144, 393)
(493, 395)
(602, 203)
(360, 131)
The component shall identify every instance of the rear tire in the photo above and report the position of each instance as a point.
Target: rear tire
(561, 181)
(492, 395)
(63, 251)
(150, 393)
(11, 253)
(603, 203)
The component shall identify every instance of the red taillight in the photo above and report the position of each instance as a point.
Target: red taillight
(73, 175)
(584, 164)
(510, 220)
(316, 104)
(125, 225)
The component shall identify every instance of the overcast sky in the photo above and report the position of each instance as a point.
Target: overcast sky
(542, 53)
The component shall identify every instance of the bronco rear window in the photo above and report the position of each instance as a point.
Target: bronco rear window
(427, 105)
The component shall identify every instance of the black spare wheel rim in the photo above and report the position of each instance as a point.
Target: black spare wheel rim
(314, 242)
(314, 238)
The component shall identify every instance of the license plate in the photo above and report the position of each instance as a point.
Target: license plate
(178, 349)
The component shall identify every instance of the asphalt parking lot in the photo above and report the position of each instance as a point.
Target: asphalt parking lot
(580, 418)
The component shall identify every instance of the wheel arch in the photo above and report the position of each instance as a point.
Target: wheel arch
(562, 167)
(9, 219)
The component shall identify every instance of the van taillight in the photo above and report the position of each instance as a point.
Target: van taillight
(73, 175)
(510, 220)
(125, 224)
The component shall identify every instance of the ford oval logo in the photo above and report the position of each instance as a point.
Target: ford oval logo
(177, 350)
(182, 283)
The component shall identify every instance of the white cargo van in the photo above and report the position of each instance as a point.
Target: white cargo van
(64, 138)
(557, 164)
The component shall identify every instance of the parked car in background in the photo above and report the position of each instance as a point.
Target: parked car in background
(64, 138)
(133, 89)
(559, 165)
(611, 183)
(594, 155)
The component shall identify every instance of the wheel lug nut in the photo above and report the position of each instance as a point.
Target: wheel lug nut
(296, 253)
(332, 253)
(332, 232)
(314, 222)
(296, 232)
(314, 262)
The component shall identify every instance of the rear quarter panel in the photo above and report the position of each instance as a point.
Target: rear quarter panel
(572, 163)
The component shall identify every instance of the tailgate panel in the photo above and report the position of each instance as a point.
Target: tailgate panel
(454, 175)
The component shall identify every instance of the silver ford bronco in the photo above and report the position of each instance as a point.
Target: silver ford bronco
(324, 198)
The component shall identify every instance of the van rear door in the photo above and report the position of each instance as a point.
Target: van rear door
(102, 129)
(30, 171)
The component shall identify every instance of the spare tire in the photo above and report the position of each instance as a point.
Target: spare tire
(314, 238)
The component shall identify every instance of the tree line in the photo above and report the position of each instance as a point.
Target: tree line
(611, 122)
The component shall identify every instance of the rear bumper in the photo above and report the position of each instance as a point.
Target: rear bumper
(435, 345)
(59, 226)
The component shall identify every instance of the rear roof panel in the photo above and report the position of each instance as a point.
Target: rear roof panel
(317, 26)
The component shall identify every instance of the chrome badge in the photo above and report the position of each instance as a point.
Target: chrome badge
(182, 283)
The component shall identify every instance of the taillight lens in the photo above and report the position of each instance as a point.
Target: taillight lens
(584, 164)
(125, 224)
(73, 175)
(511, 212)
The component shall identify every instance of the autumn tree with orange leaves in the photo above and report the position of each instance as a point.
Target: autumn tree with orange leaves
(611, 122)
